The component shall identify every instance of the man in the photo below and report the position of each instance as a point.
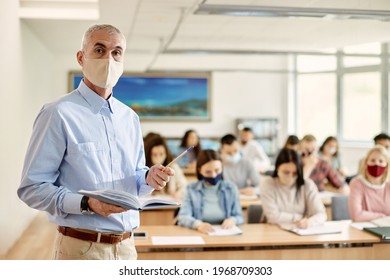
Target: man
(253, 151)
(382, 139)
(89, 140)
(317, 169)
(236, 169)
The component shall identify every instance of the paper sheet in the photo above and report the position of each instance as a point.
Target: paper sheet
(177, 240)
(219, 231)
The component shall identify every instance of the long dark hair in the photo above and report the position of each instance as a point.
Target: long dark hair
(184, 140)
(328, 139)
(152, 142)
(288, 155)
(204, 157)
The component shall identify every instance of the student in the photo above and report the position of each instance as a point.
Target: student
(237, 169)
(289, 198)
(370, 191)
(211, 200)
(253, 151)
(329, 151)
(382, 139)
(157, 152)
(317, 169)
(190, 138)
(292, 142)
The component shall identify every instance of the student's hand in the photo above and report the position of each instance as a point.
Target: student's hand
(229, 223)
(104, 209)
(158, 176)
(302, 223)
(248, 191)
(205, 227)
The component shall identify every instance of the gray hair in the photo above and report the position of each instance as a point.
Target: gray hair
(107, 27)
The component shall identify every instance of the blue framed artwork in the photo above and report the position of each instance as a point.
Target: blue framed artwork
(163, 96)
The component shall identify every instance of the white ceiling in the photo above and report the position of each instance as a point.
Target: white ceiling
(153, 27)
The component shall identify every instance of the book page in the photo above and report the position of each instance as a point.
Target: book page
(362, 225)
(219, 231)
(382, 222)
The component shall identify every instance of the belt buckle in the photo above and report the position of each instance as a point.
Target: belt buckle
(117, 236)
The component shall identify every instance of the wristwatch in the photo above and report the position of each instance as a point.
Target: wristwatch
(84, 207)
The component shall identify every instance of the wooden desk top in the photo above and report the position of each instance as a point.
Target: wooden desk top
(257, 235)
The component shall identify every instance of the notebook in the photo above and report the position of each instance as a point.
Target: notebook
(382, 232)
(320, 229)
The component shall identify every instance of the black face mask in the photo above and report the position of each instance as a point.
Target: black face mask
(213, 180)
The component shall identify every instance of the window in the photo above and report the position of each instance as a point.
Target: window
(361, 106)
(317, 105)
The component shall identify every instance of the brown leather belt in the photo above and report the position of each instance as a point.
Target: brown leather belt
(101, 237)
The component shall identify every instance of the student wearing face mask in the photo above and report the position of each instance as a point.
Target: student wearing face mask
(318, 169)
(90, 140)
(157, 152)
(236, 169)
(329, 151)
(289, 198)
(211, 200)
(370, 191)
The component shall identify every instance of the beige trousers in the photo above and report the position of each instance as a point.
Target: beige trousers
(69, 248)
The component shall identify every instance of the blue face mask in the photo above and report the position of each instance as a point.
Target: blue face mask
(234, 159)
(213, 180)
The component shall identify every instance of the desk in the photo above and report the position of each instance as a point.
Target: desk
(165, 216)
(264, 241)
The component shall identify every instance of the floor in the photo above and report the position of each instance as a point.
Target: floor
(36, 243)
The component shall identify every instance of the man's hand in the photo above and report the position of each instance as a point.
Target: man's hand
(158, 176)
(104, 209)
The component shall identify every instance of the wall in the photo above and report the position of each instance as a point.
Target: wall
(26, 82)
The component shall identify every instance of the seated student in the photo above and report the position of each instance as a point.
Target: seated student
(237, 169)
(188, 161)
(253, 151)
(292, 142)
(329, 151)
(289, 198)
(318, 169)
(382, 139)
(370, 191)
(157, 152)
(211, 200)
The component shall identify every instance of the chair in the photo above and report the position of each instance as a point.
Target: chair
(254, 213)
(339, 206)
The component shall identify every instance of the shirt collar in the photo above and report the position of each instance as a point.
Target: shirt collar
(93, 99)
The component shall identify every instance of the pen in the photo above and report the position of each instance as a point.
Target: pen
(179, 156)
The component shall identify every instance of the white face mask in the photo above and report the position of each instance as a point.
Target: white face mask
(234, 159)
(287, 180)
(103, 73)
(331, 151)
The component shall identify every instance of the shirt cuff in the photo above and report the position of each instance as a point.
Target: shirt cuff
(196, 224)
(72, 203)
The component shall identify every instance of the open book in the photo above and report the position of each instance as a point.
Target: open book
(320, 229)
(128, 200)
(379, 222)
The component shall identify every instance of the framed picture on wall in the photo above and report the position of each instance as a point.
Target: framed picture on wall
(162, 96)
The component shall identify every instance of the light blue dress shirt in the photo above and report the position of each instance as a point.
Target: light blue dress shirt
(83, 141)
